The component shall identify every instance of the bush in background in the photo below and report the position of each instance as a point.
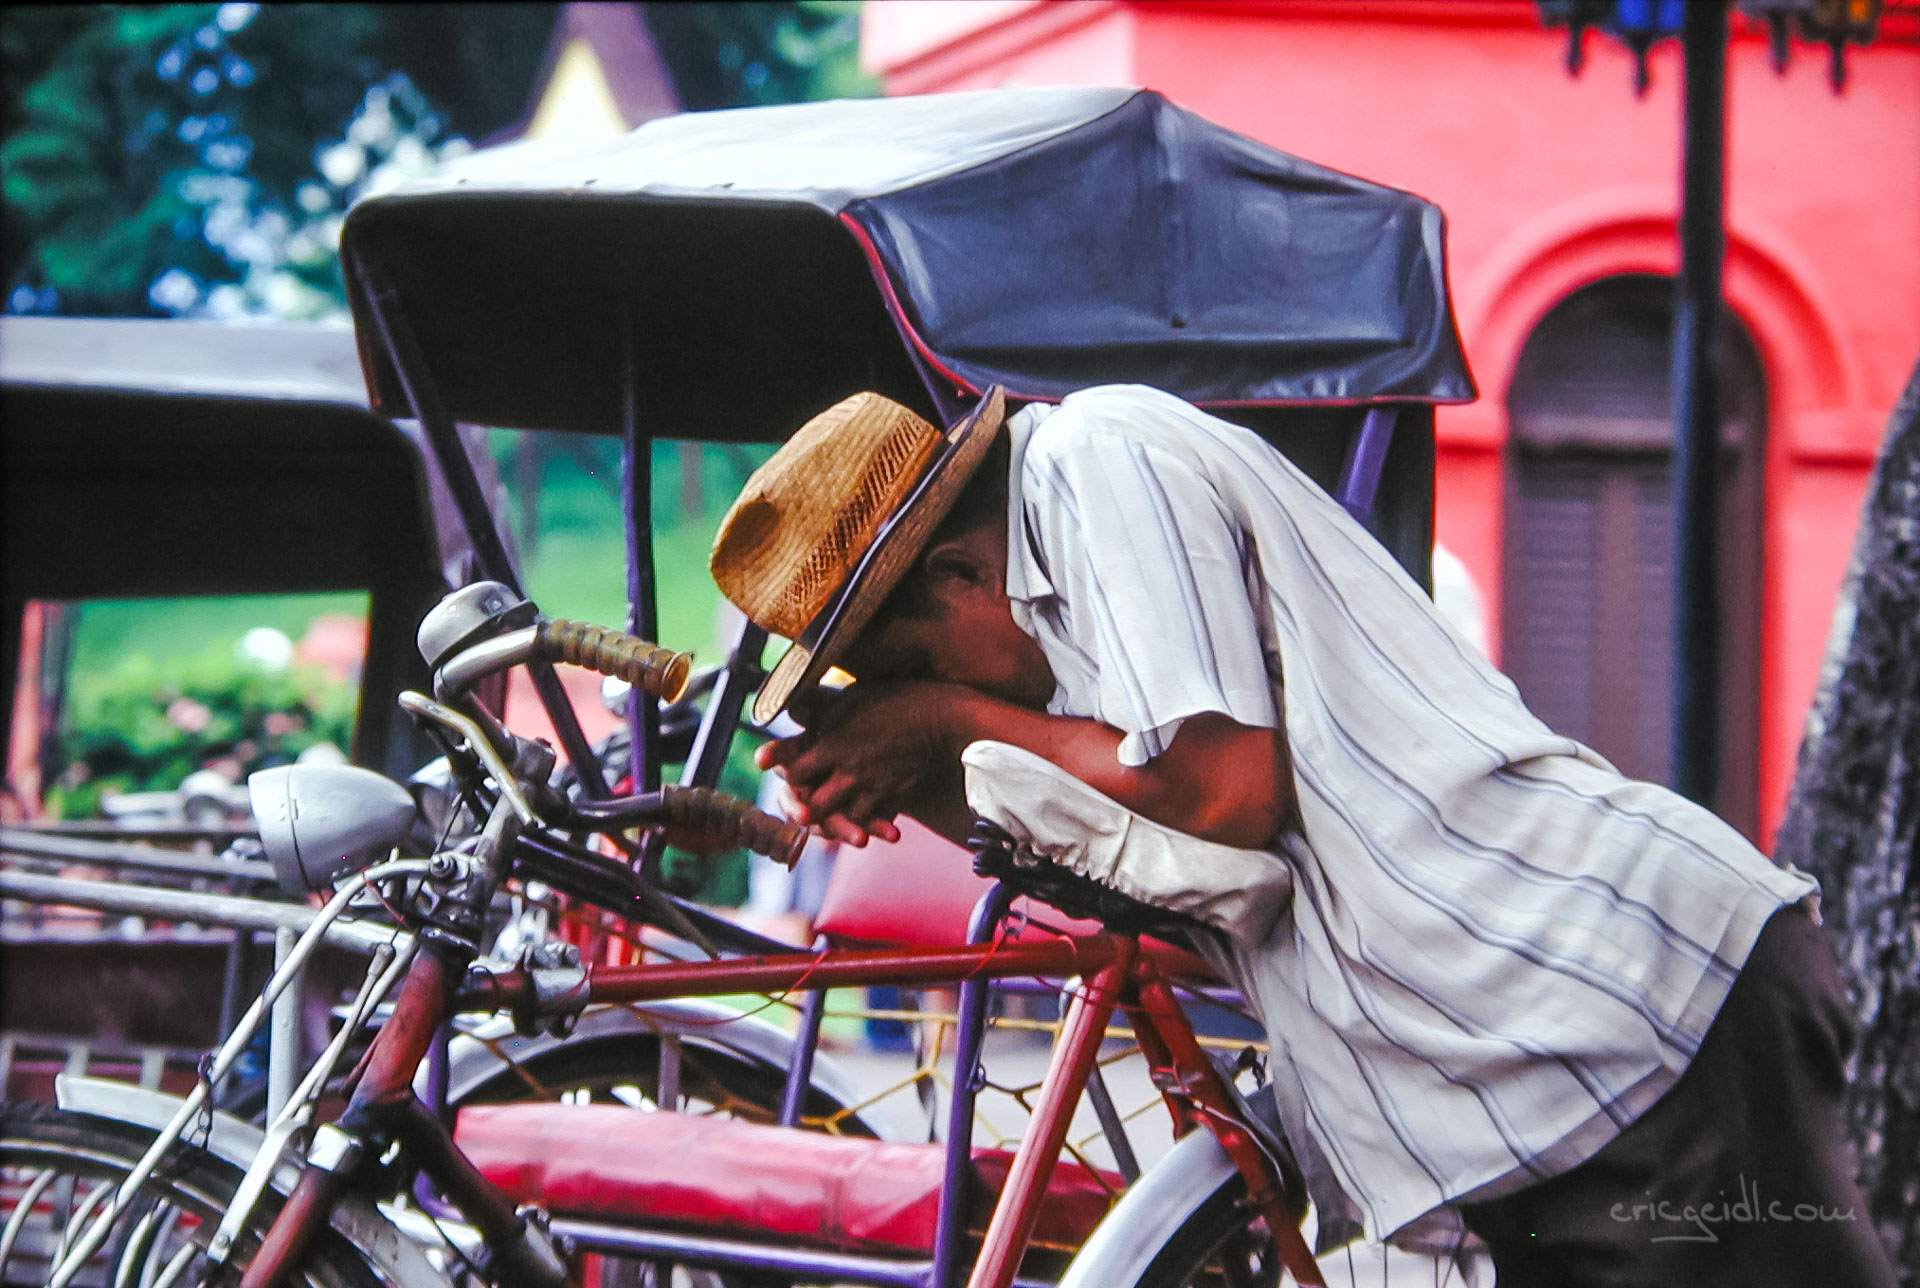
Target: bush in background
(145, 724)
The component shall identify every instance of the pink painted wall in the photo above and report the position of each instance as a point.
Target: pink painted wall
(1549, 183)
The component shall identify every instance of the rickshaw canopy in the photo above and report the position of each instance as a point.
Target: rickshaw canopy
(151, 458)
(750, 267)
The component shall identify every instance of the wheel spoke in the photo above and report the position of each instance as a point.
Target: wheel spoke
(133, 1253)
(178, 1266)
(17, 1221)
(66, 1171)
(79, 1219)
(165, 1230)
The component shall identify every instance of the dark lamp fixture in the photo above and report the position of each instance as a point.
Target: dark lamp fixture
(1637, 24)
(1641, 24)
(1833, 23)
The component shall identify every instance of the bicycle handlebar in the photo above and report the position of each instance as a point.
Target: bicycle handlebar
(645, 665)
(723, 819)
(716, 818)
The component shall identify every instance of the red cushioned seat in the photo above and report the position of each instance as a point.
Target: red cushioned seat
(745, 1180)
(919, 891)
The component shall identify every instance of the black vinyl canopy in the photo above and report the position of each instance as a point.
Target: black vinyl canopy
(169, 458)
(756, 265)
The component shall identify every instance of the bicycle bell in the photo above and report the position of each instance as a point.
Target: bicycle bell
(319, 822)
(467, 616)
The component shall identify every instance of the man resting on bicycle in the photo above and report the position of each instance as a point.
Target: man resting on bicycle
(1517, 994)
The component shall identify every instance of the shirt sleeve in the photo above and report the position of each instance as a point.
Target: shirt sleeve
(1150, 577)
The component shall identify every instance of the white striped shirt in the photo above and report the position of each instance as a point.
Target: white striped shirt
(1500, 950)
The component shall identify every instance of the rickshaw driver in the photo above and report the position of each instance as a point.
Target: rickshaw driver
(1516, 994)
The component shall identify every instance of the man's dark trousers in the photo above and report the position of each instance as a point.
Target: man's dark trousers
(1738, 1177)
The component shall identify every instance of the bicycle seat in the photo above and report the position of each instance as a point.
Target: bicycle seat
(692, 1172)
(999, 856)
(1059, 835)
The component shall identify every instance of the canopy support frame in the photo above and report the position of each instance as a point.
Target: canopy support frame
(402, 349)
(636, 505)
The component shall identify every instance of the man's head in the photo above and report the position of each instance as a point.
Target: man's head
(827, 531)
(950, 618)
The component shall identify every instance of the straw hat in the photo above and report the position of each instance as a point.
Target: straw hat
(830, 524)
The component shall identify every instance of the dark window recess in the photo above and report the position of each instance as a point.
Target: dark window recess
(1587, 618)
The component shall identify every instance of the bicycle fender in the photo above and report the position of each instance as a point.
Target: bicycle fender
(391, 1253)
(472, 1057)
(1153, 1208)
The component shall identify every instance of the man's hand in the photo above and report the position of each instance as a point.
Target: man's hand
(871, 752)
(895, 749)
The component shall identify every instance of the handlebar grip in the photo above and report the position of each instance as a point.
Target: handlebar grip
(729, 820)
(644, 665)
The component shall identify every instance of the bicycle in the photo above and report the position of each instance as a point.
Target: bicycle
(483, 1173)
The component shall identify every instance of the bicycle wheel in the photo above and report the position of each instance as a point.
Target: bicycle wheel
(58, 1170)
(1221, 1242)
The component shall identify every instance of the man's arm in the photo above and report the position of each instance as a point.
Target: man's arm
(1153, 565)
(895, 751)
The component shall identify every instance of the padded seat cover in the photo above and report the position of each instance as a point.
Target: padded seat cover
(919, 891)
(724, 1176)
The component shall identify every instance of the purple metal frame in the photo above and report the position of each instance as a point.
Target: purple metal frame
(793, 1097)
(1366, 460)
(950, 1223)
(709, 1253)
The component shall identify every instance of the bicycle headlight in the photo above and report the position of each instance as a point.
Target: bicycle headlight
(319, 822)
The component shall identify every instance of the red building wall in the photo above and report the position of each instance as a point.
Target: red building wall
(1549, 183)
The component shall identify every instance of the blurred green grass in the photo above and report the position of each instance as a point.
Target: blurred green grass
(576, 566)
(167, 629)
(573, 562)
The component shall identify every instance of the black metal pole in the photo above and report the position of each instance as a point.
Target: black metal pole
(636, 503)
(722, 716)
(443, 438)
(1696, 419)
(233, 983)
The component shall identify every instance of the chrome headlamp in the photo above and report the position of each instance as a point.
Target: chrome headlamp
(319, 822)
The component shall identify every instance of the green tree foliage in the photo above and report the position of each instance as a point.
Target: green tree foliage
(756, 53)
(142, 119)
(178, 145)
(186, 147)
(145, 724)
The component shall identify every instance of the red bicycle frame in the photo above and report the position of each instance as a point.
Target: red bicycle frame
(1109, 974)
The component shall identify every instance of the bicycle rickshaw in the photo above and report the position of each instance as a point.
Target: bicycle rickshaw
(180, 460)
(721, 277)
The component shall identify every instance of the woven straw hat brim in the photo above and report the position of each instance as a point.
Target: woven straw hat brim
(886, 562)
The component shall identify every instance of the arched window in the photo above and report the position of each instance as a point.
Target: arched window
(1587, 616)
